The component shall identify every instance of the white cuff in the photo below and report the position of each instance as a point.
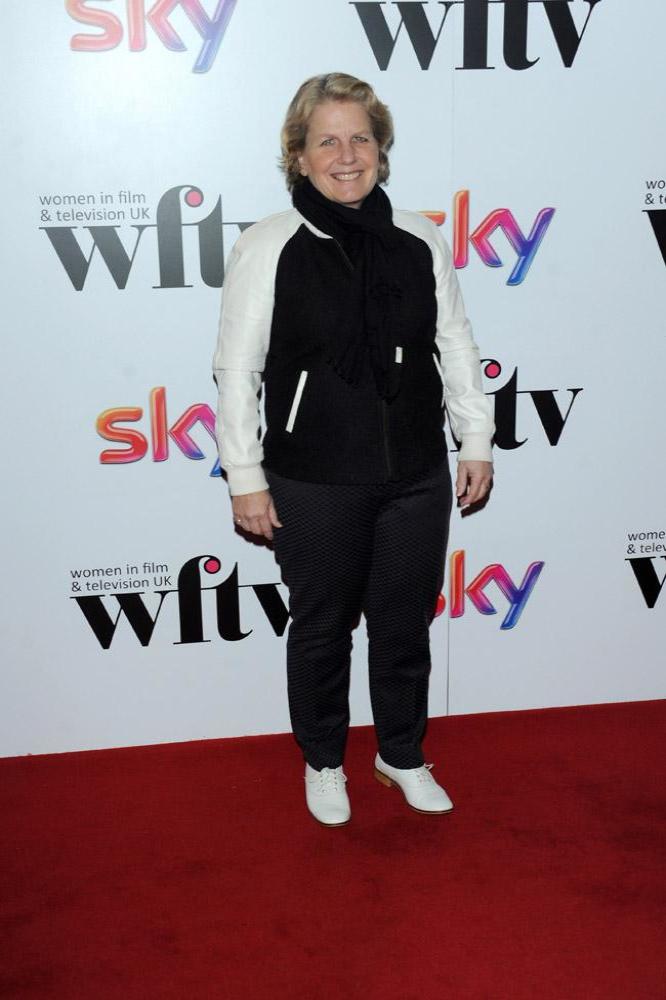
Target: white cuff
(248, 480)
(475, 448)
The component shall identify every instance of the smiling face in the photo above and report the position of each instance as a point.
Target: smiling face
(341, 155)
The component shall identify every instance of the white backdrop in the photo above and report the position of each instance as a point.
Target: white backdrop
(579, 336)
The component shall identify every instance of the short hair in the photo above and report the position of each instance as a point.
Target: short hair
(332, 87)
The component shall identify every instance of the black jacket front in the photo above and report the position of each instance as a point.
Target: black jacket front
(341, 432)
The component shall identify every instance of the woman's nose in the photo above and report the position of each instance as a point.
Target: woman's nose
(347, 152)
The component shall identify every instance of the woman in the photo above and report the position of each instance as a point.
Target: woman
(352, 312)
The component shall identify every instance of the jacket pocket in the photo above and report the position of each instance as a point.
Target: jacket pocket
(441, 376)
(296, 401)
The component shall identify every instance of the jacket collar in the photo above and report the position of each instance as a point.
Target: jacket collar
(313, 229)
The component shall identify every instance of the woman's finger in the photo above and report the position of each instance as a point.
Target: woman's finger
(264, 527)
(479, 488)
(273, 516)
(461, 481)
(261, 525)
(477, 485)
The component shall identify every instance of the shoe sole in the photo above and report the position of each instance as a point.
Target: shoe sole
(321, 822)
(384, 779)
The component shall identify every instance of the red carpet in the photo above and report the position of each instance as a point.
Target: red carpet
(163, 872)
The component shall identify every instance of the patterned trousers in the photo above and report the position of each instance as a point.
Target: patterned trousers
(346, 548)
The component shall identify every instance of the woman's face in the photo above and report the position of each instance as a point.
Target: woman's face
(341, 155)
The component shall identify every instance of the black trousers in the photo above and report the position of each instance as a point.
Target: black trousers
(343, 549)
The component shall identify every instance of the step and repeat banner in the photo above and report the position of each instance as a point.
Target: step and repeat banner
(141, 138)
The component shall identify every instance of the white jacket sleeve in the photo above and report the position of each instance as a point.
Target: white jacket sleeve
(469, 410)
(242, 345)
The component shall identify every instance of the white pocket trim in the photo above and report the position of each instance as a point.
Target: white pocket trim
(297, 399)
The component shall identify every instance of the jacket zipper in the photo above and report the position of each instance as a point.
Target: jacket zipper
(387, 453)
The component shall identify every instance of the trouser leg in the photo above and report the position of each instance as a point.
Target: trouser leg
(323, 550)
(406, 576)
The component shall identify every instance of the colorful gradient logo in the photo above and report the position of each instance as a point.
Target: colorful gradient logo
(516, 594)
(502, 219)
(138, 444)
(210, 29)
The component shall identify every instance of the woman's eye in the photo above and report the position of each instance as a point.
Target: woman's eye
(360, 138)
(327, 142)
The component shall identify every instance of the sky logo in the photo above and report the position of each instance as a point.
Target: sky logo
(210, 29)
(108, 426)
(517, 595)
(502, 219)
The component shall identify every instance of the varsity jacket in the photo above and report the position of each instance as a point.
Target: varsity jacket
(283, 282)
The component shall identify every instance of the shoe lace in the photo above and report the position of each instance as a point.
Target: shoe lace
(331, 779)
(424, 776)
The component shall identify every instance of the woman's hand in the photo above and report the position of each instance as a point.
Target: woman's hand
(255, 512)
(473, 481)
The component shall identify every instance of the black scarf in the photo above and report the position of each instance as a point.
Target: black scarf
(368, 327)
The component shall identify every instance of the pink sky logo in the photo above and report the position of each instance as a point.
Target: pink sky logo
(172, 216)
(210, 29)
(517, 595)
(193, 626)
(137, 444)
(502, 219)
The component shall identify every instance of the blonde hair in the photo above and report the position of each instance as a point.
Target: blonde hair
(332, 87)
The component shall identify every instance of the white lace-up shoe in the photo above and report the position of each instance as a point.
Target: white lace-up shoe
(417, 785)
(326, 795)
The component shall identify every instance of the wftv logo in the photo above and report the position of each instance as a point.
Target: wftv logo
(191, 617)
(135, 444)
(169, 225)
(210, 29)
(516, 23)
